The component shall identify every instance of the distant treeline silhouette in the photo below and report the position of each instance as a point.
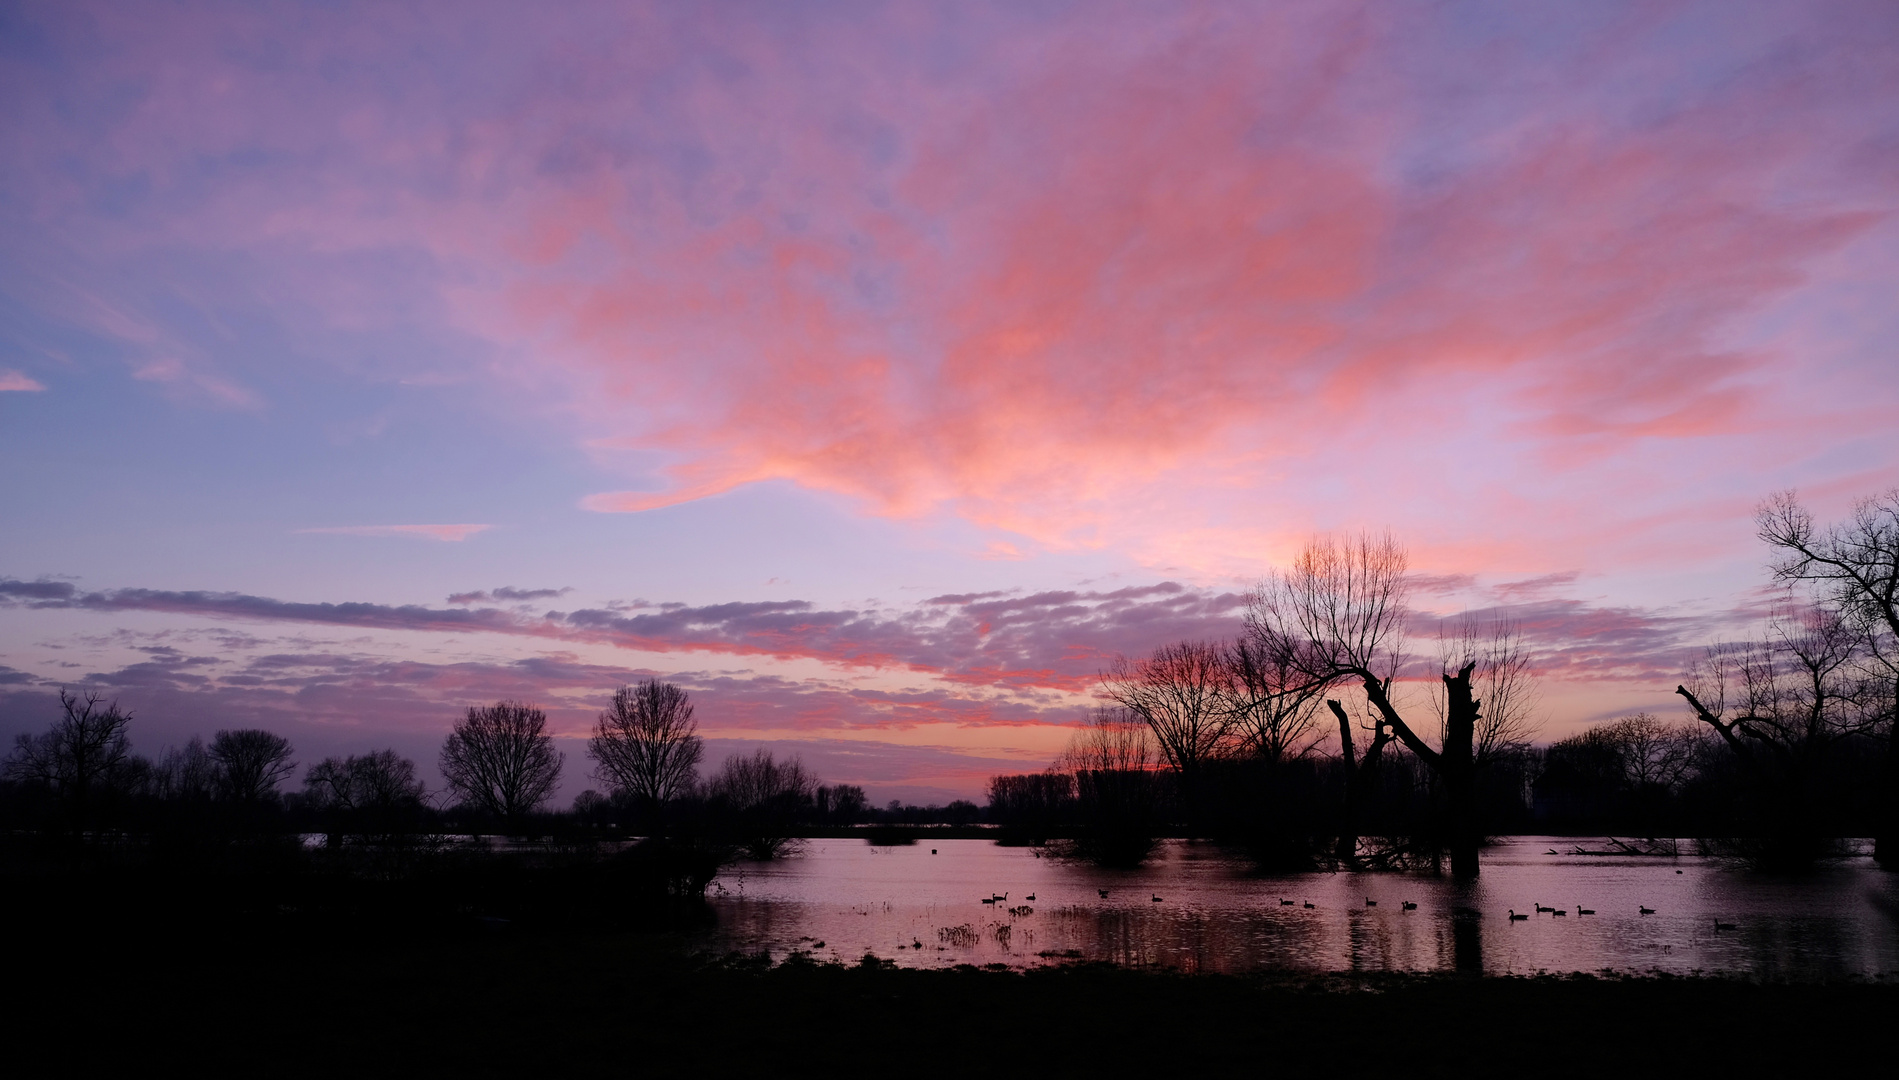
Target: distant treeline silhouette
(79, 790)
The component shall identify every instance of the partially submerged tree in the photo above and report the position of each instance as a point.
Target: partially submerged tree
(1785, 704)
(1118, 795)
(646, 743)
(1852, 569)
(501, 760)
(1183, 693)
(766, 798)
(1337, 617)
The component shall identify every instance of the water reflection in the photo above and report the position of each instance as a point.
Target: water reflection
(1196, 909)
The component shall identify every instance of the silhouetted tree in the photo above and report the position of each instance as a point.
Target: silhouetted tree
(1853, 569)
(86, 754)
(844, 804)
(501, 760)
(767, 799)
(646, 743)
(376, 796)
(1030, 806)
(1275, 706)
(1118, 796)
(1186, 695)
(1337, 616)
(1785, 704)
(251, 763)
(187, 774)
(1361, 772)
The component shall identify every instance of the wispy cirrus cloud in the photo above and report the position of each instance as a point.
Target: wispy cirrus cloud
(447, 533)
(15, 380)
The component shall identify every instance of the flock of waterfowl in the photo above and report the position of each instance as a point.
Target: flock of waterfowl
(1404, 905)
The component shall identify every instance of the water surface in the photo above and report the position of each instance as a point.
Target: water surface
(1197, 908)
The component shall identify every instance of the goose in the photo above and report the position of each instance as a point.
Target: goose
(1551, 851)
(1369, 902)
(1283, 902)
(1514, 917)
(1157, 898)
(1581, 910)
(1720, 926)
(1103, 892)
(1310, 904)
(1407, 905)
(988, 899)
(1559, 914)
(1031, 897)
(1645, 910)
(1540, 908)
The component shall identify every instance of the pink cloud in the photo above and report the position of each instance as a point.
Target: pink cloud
(14, 380)
(1185, 283)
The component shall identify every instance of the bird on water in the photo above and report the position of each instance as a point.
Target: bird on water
(1369, 902)
(1645, 910)
(1407, 905)
(1103, 892)
(1581, 910)
(1310, 904)
(1514, 917)
(1720, 926)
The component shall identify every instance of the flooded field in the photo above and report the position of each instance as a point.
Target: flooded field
(1196, 908)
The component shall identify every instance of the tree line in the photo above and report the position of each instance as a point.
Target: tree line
(1296, 738)
(81, 784)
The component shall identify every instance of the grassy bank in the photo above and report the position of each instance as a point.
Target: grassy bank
(282, 999)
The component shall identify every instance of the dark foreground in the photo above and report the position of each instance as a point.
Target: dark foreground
(277, 999)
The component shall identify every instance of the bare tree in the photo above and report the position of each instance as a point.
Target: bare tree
(1337, 616)
(1655, 755)
(1502, 682)
(1853, 569)
(187, 774)
(768, 797)
(1275, 707)
(1117, 796)
(646, 743)
(1184, 693)
(375, 795)
(251, 763)
(502, 760)
(1782, 704)
(86, 751)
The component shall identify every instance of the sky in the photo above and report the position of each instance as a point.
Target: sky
(880, 372)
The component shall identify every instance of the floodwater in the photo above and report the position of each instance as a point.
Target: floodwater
(1196, 908)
